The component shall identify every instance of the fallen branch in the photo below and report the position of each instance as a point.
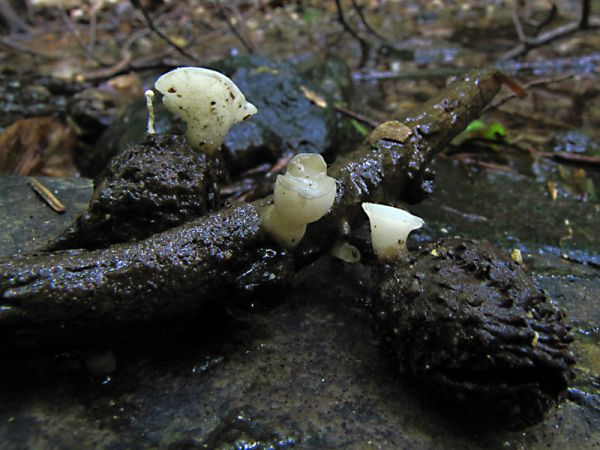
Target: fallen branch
(527, 43)
(525, 86)
(357, 116)
(570, 157)
(176, 272)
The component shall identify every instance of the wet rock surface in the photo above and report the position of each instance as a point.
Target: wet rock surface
(147, 188)
(527, 219)
(287, 122)
(29, 95)
(308, 374)
(468, 322)
(26, 222)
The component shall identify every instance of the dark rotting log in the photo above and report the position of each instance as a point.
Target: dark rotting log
(147, 188)
(468, 323)
(175, 272)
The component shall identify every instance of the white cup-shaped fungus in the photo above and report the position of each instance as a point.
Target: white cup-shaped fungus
(302, 196)
(390, 228)
(207, 101)
(346, 252)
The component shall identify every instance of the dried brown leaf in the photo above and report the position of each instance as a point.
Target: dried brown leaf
(37, 146)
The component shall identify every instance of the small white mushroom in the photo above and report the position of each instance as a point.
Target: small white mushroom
(149, 94)
(390, 228)
(207, 101)
(346, 252)
(303, 195)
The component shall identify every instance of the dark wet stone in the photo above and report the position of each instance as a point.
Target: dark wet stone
(511, 211)
(308, 374)
(30, 95)
(129, 129)
(466, 321)
(267, 282)
(148, 188)
(26, 222)
(575, 142)
(93, 110)
(288, 122)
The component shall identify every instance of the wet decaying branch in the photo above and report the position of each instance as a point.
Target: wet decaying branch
(178, 271)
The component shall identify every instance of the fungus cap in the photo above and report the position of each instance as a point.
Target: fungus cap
(208, 101)
(305, 193)
(390, 228)
(302, 196)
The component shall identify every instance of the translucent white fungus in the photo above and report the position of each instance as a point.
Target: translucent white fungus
(346, 252)
(149, 94)
(207, 101)
(303, 195)
(390, 228)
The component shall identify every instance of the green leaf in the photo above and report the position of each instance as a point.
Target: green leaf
(361, 128)
(476, 125)
(494, 132)
(310, 15)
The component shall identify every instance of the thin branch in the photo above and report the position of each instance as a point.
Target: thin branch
(546, 20)
(363, 19)
(77, 37)
(584, 21)
(365, 47)
(122, 64)
(93, 24)
(570, 157)
(9, 42)
(245, 42)
(357, 116)
(137, 4)
(527, 43)
(11, 18)
(536, 82)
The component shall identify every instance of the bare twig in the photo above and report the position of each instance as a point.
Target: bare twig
(527, 43)
(570, 157)
(584, 21)
(160, 34)
(245, 42)
(122, 64)
(47, 196)
(93, 23)
(13, 20)
(365, 47)
(9, 42)
(557, 156)
(464, 159)
(537, 82)
(87, 50)
(357, 116)
(363, 19)
(546, 20)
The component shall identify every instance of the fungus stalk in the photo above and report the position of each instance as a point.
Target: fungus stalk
(302, 196)
(390, 228)
(207, 101)
(149, 94)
